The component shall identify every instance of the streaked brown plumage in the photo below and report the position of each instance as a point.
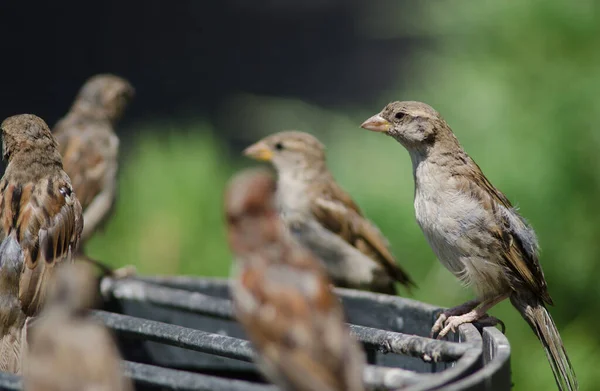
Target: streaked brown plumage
(89, 146)
(473, 229)
(282, 297)
(324, 218)
(40, 225)
(67, 350)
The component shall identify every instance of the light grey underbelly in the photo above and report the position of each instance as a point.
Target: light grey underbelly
(459, 234)
(343, 261)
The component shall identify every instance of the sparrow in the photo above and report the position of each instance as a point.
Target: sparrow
(473, 229)
(67, 350)
(40, 226)
(324, 218)
(89, 146)
(282, 296)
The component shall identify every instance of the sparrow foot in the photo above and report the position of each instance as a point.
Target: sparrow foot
(124, 272)
(452, 312)
(475, 310)
(452, 323)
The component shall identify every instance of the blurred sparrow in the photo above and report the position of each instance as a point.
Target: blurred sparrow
(473, 229)
(68, 351)
(324, 218)
(89, 146)
(282, 297)
(40, 226)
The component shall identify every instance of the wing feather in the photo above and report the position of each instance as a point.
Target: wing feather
(50, 226)
(336, 211)
(516, 236)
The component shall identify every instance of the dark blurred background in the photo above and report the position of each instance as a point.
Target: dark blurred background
(189, 57)
(517, 81)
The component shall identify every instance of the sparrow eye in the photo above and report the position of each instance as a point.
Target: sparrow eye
(399, 115)
(65, 191)
(279, 146)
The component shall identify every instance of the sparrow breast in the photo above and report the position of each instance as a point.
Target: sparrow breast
(453, 223)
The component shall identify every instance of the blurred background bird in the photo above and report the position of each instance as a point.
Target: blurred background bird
(67, 350)
(282, 296)
(90, 147)
(324, 218)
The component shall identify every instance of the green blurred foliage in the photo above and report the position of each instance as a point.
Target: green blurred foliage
(518, 81)
(168, 216)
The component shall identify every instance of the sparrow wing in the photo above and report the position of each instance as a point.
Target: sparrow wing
(45, 217)
(517, 238)
(89, 150)
(13, 344)
(298, 328)
(336, 211)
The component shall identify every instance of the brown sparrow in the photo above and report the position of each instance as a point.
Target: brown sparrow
(68, 351)
(89, 146)
(473, 229)
(324, 218)
(40, 226)
(282, 296)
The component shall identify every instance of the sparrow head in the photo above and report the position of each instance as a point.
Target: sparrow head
(415, 125)
(105, 95)
(74, 288)
(251, 215)
(28, 134)
(289, 150)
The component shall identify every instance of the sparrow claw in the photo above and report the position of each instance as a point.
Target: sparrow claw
(502, 326)
(439, 324)
(451, 325)
(442, 319)
(453, 322)
(491, 321)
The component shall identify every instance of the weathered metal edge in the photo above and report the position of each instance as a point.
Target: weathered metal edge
(383, 340)
(468, 363)
(495, 373)
(173, 379)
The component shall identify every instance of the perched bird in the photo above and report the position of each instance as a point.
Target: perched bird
(282, 297)
(324, 218)
(89, 146)
(473, 229)
(67, 350)
(40, 227)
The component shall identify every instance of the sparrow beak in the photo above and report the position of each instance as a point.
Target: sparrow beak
(376, 124)
(259, 151)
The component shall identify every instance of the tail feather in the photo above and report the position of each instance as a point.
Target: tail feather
(538, 317)
(13, 346)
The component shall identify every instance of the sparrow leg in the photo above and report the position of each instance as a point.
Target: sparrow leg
(453, 322)
(124, 272)
(120, 273)
(454, 311)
